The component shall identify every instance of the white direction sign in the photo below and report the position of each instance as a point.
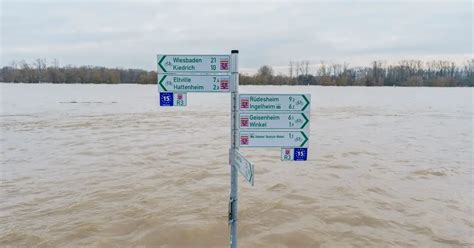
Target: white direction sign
(194, 83)
(193, 63)
(274, 102)
(273, 139)
(271, 120)
(244, 166)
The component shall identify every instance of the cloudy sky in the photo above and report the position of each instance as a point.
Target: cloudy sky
(129, 34)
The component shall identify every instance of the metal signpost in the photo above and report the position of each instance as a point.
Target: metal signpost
(257, 120)
(234, 149)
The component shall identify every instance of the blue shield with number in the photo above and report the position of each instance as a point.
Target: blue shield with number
(300, 154)
(166, 98)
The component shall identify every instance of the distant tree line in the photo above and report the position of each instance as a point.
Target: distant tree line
(406, 73)
(40, 72)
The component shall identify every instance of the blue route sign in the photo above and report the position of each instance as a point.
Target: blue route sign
(166, 99)
(300, 154)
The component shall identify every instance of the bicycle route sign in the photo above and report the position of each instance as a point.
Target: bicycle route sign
(193, 63)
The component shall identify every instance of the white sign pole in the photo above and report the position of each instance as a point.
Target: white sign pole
(233, 146)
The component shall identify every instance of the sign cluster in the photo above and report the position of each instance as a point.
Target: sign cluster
(276, 120)
(179, 74)
(258, 120)
(263, 120)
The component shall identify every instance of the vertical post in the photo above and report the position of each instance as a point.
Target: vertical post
(233, 146)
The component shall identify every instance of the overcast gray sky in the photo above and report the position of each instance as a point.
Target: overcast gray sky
(129, 34)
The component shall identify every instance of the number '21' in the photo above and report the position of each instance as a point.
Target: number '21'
(213, 61)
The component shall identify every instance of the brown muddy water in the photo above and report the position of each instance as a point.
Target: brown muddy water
(104, 166)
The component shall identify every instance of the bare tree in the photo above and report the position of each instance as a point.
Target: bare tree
(55, 63)
(301, 68)
(291, 69)
(321, 70)
(265, 74)
(297, 69)
(40, 67)
(306, 68)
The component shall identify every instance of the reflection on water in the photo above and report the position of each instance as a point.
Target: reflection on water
(102, 165)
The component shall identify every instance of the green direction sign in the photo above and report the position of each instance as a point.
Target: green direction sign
(194, 83)
(273, 139)
(193, 63)
(244, 166)
(274, 102)
(271, 120)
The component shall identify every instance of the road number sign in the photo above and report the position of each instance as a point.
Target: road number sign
(274, 102)
(273, 139)
(294, 154)
(244, 166)
(272, 120)
(169, 99)
(193, 63)
(194, 83)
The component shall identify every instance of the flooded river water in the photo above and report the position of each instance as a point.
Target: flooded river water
(105, 166)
